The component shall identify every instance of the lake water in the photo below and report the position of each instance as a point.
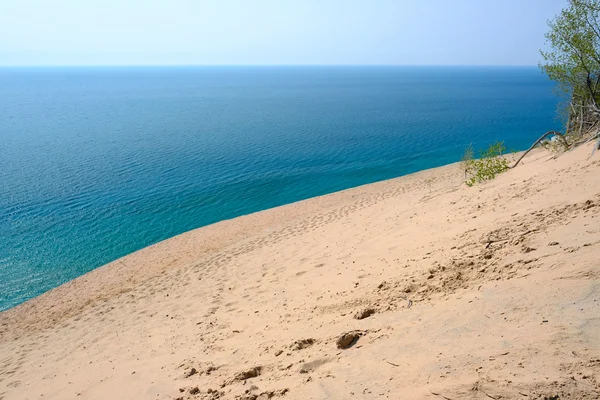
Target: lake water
(96, 163)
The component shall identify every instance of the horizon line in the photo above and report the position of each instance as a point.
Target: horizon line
(253, 65)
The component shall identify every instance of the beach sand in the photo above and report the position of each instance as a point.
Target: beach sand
(445, 291)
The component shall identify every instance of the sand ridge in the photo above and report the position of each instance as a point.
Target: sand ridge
(417, 287)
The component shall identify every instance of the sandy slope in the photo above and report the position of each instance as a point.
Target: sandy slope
(476, 293)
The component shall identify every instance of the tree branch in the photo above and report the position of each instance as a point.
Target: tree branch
(560, 135)
(586, 16)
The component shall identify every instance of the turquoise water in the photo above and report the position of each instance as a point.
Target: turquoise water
(98, 163)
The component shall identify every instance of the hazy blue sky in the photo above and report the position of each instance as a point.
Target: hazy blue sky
(134, 32)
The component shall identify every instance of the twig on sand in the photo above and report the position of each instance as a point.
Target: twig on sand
(391, 363)
(491, 397)
(478, 388)
(490, 241)
(441, 395)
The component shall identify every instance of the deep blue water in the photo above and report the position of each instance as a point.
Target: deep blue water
(96, 163)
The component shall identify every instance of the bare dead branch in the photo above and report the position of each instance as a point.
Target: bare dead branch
(560, 135)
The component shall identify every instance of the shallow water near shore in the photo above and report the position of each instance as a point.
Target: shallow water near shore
(96, 163)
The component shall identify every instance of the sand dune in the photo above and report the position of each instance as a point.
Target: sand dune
(443, 292)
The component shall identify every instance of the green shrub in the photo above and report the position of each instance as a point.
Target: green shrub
(491, 163)
(466, 160)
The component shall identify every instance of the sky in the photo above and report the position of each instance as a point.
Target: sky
(273, 32)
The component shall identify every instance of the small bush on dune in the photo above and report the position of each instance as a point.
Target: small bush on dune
(491, 163)
(466, 160)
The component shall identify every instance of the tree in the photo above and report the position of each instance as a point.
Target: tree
(574, 59)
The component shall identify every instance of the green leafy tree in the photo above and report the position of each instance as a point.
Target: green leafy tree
(491, 163)
(573, 58)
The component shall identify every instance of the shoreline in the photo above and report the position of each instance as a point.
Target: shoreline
(183, 173)
(446, 290)
(163, 258)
